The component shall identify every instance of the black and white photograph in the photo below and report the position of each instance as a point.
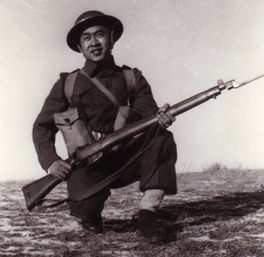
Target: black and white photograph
(132, 128)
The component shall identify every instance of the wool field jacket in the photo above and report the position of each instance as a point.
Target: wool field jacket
(99, 110)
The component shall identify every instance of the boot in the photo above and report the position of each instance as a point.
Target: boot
(149, 227)
(94, 225)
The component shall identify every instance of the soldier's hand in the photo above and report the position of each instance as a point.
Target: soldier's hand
(60, 169)
(165, 119)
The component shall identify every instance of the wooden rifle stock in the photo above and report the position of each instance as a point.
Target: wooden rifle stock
(37, 190)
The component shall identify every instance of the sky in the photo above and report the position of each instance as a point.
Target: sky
(183, 47)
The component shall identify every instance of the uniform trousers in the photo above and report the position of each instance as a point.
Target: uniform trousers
(154, 169)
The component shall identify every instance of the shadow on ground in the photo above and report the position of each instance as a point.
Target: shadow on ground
(176, 217)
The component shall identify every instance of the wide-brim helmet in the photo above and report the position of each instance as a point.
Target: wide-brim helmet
(93, 18)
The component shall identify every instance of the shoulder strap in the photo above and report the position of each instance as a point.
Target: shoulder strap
(69, 85)
(102, 88)
(130, 79)
(71, 78)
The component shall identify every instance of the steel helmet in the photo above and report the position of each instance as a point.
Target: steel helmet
(91, 18)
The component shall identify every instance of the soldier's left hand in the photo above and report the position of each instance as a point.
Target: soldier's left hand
(165, 119)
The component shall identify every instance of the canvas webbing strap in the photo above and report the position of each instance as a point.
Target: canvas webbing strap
(71, 78)
(130, 80)
(102, 88)
(69, 85)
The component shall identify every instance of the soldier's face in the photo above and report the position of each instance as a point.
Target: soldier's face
(95, 43)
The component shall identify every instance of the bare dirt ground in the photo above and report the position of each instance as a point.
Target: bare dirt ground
(218, 212)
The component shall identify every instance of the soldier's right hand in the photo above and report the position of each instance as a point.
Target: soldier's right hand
(60, 169)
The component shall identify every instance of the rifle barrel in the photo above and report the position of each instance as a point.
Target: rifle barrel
(141, 126)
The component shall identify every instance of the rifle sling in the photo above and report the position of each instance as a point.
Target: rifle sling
(94, 189)
(108, 180)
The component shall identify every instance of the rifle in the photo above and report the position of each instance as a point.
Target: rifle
(35, 192)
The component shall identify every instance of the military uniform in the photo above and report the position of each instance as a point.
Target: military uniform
(155, 169)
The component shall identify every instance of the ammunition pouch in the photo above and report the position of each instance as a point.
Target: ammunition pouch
(74, 129)
(73, 124)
